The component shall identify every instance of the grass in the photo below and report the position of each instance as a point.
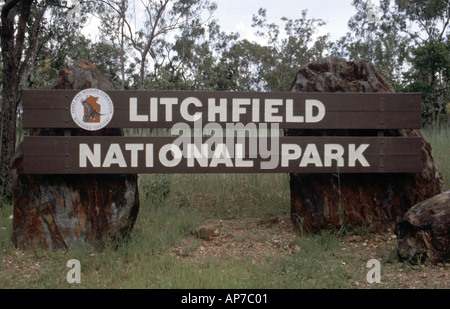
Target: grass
(170, 206)
(145, 260)
(440, 147)
(230, 196)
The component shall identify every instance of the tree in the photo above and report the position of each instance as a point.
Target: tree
(376, 34)
(408, 41)
(114, 15)
(430, 75)
(430, 57)
(162, 17)
(21, 22)
(36, 38)
(239, 68)
(423, 20)
(286, 51)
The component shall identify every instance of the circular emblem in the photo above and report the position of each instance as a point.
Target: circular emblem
(92, 109)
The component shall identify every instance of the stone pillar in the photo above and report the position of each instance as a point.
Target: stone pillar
(63, 211)
(375, 200)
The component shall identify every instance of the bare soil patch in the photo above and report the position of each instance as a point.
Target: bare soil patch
(271, 237)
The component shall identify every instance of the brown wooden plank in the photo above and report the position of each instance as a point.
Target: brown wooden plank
(59, 155)
(51, 109)
(34, 157)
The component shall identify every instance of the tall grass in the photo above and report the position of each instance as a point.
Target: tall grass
(440, 149)
(229, 196)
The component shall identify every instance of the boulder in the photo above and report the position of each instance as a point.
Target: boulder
(82, 75)
(424, 231)
(377, 201)
(205, 231)
(63, 211)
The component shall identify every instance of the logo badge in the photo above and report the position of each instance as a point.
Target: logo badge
(92, 109)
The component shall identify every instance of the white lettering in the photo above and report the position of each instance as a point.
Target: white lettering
(290, 112)
(176, 153)
(334, 152)
(242, 110)
(309, 106)
(214, 109)
(311, 156)
(153, 109)
(134, 148)
(114, 156)
(240, 156)
(194, 153)
(271, 110)
(133, 112)
(255, 110)
(357, 154)
(289, 152)
(237, 109)
(149, 155)
(86, 153)
(168, 102)
(184, 109)
(221, 156)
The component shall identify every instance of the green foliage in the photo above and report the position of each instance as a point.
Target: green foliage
(287, 49)
(154, 187)
(431, 76)
(375, 34)
(408, 42)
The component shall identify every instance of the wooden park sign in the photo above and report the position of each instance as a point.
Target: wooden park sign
(228, 123)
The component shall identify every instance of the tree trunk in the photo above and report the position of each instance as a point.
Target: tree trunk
(142, 73)
(122, 48)
(440, 109)
(10, 91)
(16, 57)
(8, 130)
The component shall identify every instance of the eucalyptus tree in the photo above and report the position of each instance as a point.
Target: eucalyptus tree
(376, 34)
(427, 23)
(115, 15)
(287, 48)
(408, 41)
(21, 23)
(151, 23)
(36, 37)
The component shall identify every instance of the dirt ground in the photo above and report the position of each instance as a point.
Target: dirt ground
(256, 239)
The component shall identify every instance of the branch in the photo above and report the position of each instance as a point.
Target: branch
(154, 25)
(121, 12)
(21, 29)
(446, 23)
(8, 18)
(33, 38)
(8, 6)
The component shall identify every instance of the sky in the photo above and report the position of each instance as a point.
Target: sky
(236, 15)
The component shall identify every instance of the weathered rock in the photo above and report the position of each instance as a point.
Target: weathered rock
(374, 200)
(83, 74)
(424, 231)
(205, 231)
(63, 211)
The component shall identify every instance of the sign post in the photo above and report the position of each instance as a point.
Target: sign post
(237, 132)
